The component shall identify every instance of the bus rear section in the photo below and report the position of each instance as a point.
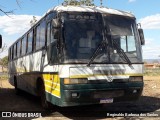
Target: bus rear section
(97, 84)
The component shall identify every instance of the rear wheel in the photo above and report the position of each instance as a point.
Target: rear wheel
(17, 90)
(45, 104)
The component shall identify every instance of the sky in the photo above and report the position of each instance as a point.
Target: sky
(147, 13)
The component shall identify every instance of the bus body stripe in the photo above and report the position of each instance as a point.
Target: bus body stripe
(86, 76)
(53, 94)
(51, 88)
(52, 84)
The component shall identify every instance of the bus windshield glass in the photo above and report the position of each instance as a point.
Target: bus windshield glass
(122, 33)
(82, 34)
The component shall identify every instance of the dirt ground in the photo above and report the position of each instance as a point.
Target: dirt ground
(148, 104)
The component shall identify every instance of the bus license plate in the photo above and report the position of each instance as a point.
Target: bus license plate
(109, 100)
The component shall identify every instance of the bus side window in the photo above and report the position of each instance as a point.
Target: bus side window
(23, 48)
(12, 52)
(50, 16)
(18, 48)
(29, 42)
(48, 33)
(37, 40)
(50, 37)
(15, 51)
(12, 49)
(40, 36)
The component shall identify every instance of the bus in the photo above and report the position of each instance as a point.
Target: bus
(80, 55)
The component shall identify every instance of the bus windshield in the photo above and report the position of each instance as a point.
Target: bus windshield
(82, 34)
(122, 33)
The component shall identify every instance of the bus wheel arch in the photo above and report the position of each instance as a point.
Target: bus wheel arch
(39, 81)
(41, 93)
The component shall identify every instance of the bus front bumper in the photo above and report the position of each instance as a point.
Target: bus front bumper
(86, 94)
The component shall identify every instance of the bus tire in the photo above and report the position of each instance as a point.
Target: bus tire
(41, 88)
(17, 90)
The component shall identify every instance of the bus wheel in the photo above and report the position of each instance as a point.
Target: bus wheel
(17, 90)
(45, 104)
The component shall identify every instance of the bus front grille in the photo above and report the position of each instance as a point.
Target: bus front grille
(105, 81)
(108, 94)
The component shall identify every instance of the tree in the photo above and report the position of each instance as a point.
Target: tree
(155, 61)
(10, 11)
(4, 48)
(145, 62)
(6, 12)
(4, 62)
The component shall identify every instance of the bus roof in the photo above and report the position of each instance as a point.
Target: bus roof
(69, 8)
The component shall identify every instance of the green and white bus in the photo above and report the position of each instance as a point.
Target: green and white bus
(80, 55)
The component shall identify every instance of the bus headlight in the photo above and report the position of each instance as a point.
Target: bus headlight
(136, 78)
(75, 81)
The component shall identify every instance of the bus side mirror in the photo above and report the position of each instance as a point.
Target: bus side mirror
(56, 23)
(141, 35)
(56, 26)
(0, 41)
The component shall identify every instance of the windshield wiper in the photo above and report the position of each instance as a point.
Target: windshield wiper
(121, 53)
(101, 45)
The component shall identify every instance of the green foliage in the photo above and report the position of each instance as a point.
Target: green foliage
(145, 62)
(4, 61)
(152, 72)
(155, 61)
(4, 77)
